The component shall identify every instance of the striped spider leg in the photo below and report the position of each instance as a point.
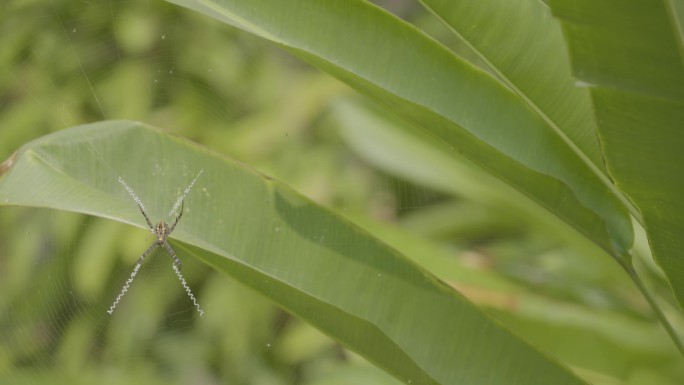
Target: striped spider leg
(161, 231)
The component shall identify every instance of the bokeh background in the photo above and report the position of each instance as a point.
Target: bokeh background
(64, 63)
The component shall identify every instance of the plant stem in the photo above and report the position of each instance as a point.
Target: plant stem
(656, 308)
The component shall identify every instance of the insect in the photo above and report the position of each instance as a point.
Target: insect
(161, 231)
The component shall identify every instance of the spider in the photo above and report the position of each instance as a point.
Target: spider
(161, 231)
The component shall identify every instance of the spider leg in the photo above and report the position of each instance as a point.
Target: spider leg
(149, 223)
(173, 226)
(128, 283)
(149, 249)
(138, 202)
(176, 261)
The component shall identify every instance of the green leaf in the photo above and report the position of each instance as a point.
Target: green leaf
(466, 109)
(630, 54)
(523, 45)
(432, 164)
(307, 259)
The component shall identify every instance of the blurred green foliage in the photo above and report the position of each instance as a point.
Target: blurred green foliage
(65, 63)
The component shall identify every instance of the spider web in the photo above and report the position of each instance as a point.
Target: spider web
(72, 62)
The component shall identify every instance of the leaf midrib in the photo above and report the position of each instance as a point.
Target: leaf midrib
(555, 128)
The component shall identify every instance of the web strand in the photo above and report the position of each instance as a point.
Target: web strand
(133, 195)
(125, 288)
(185, 194)
(78, 60)
(187, 290)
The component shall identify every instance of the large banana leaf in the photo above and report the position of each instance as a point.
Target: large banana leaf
(630, 54)
(307, 259)
(467, 110)
(522, 43)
